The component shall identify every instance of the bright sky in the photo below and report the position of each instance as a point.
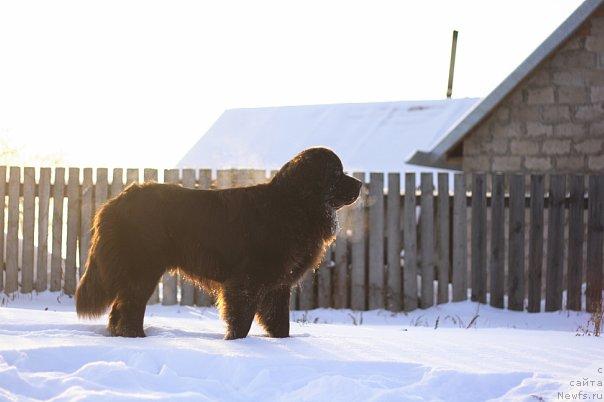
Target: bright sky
(136, 83)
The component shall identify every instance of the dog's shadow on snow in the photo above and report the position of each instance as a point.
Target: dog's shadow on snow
(83, 329)
(163, 332)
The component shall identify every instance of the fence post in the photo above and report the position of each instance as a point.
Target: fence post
(101, 188)
(56, 263)
(575, 242)
(357, 272)
(306, 292)
(324, 280)
(443, 237)
(43, 209)
(410, 245)
(2, 206)
(117, 182)
(29, 214)
(427, 239)
(131, 176)
(595, 227)
(73, 226)
(224, 178)
(376, 293)
(340, 288)
(479, 239)
(497, 241)
(86, 218)
(460, 239)
(393, 218)
(536, 244)
(12, 234)
(555, 243)
(516, 244)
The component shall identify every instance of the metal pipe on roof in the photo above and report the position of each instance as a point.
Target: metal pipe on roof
(452, 64)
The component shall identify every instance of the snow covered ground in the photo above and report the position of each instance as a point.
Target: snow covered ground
(457, 352)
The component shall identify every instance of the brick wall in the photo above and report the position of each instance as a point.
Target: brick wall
(554, 120)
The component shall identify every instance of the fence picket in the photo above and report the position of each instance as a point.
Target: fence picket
(595, 235)
(101, 188)
(443, 237)
(149, 175)
(535, 261)
(3, 190)
(12, 233)
(73, 225)
(555, 243)
(410, 245)
(358, 252)
(56, 262)
(131, 176)
(224, 178)
(258, 176)
(516, 244)
(497, 260)
(575, 242)
(460, 239)
(306, 291)
(393, 247)
(29, 216)
(376, 294)
(479, 239)
(169, 280)
(340, 288)
(427, 240)
(324, 280)
(87, 205)
(43, 209)
(117, 182)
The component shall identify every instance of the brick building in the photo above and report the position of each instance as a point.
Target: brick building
(548, 115)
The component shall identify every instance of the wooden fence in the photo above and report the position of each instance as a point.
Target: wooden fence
(509, 240)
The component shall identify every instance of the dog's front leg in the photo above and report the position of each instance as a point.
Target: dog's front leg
(273, 312)
(237, 307)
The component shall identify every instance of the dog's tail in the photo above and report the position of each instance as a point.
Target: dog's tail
(92, 298)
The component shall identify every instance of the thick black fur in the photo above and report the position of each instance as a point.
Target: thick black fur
(248, 245)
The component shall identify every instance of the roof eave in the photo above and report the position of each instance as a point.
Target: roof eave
(429, 159)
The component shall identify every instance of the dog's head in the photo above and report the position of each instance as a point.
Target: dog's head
(316, 175)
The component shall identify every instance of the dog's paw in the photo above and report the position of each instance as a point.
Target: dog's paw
(126, 332)
(278, 334)
(229, 336)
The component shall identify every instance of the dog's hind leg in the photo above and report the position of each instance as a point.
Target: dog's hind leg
(273, 312)
(128, 310)
(237, 304)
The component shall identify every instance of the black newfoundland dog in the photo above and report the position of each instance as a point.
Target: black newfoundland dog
(247, 245)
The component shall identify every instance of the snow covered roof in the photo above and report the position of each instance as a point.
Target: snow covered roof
(367, 136)
(437, 154)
